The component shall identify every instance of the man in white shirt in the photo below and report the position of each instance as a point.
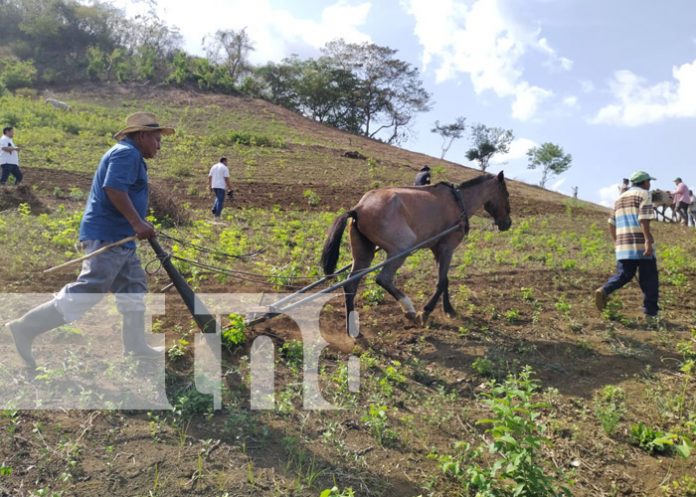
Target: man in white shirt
(9, 159)
(218, 182)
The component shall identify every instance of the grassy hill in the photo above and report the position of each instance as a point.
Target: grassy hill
(614, 398)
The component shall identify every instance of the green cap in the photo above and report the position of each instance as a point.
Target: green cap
(640, 176)
(677, 179)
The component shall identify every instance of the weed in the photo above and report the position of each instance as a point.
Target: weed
(683, 487)
(313, 199)
(609, 407)
(483, 366)
(527, 294)
(378, 423)
(652, 440)
(512, 316)
(518, 436)
(234, 334)
(292, 352)
(335, 492)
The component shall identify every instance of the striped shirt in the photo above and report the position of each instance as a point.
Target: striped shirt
(632, 207)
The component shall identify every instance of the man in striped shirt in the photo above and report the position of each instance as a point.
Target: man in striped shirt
(629, 226)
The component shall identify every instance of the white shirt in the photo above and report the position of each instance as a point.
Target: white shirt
(8, 157)
(218, 173)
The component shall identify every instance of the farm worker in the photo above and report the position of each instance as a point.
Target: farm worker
(682, 199)
(423, 176)
(624, 186)
(9, 158)
(629, 226)
(115, 209)
(218, 182)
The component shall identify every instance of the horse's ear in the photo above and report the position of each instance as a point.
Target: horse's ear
(501, 176)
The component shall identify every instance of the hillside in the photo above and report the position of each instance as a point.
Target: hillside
(523, 299)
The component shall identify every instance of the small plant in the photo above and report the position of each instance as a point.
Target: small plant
(335, 492)
(234, 335)
(563, 306)
(517, 438)
(684, 487)
(311, 196)
(527, 294)
(483, 366)
(609, 407)
(293, 353)
(378, 423)
(512, 316)
(373, 294)
(652, 440)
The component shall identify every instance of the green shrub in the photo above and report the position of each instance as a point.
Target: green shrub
(234, 335)
(609, 407)
(510, 464)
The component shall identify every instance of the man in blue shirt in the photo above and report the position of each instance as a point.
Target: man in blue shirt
(116, 208)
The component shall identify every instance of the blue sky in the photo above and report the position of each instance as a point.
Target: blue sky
(612, 82)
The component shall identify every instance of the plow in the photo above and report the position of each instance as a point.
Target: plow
(206, 322)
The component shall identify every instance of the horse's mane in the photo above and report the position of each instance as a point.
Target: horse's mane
(476, 181)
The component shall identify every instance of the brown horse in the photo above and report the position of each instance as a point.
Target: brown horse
(399, 218)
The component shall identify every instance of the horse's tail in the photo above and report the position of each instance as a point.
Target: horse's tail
(332, 246)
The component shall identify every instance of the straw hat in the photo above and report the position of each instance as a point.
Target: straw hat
(142, 121)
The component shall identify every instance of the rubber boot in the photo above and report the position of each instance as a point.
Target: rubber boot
(133, 334)
(35, 322)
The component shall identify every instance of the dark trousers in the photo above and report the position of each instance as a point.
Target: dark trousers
(219, 201)
(10, 169)
(683, 211)
(647, 278)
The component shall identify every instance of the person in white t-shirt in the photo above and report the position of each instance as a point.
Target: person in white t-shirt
(9, 159)
(218, 182)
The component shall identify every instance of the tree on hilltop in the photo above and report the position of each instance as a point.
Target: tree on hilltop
(550, 158)
(488, 142)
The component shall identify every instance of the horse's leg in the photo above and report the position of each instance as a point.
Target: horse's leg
(444, 258)
(363, 251)
(385, 279)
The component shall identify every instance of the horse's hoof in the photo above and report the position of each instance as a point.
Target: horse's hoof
(411, 316)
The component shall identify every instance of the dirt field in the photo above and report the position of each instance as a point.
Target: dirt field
(523, 298)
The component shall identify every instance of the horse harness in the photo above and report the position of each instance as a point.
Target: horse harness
(463, 218)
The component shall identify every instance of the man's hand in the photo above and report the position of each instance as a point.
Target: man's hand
(143, 230)
(648, 249)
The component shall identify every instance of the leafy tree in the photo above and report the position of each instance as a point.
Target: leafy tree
(550, 158)
(389, 91)
(488, 142)
(449, 133)
(15, 73)
(230, 49)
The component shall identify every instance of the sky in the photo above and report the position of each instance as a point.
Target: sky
(612, 82)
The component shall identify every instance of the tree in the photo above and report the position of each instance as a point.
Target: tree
(488, 142)
(449, 133)
(230, 49)
(550, 158)
(388, 92)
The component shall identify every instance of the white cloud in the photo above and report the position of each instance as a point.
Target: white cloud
(609, 194)
(518, 150)
(275, 33)
(587, 86)
(571, 101)
(640, 103)
(479, 41)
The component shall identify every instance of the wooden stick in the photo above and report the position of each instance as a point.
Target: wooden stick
(92, 254)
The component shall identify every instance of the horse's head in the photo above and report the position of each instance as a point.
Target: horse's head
(498, 203)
